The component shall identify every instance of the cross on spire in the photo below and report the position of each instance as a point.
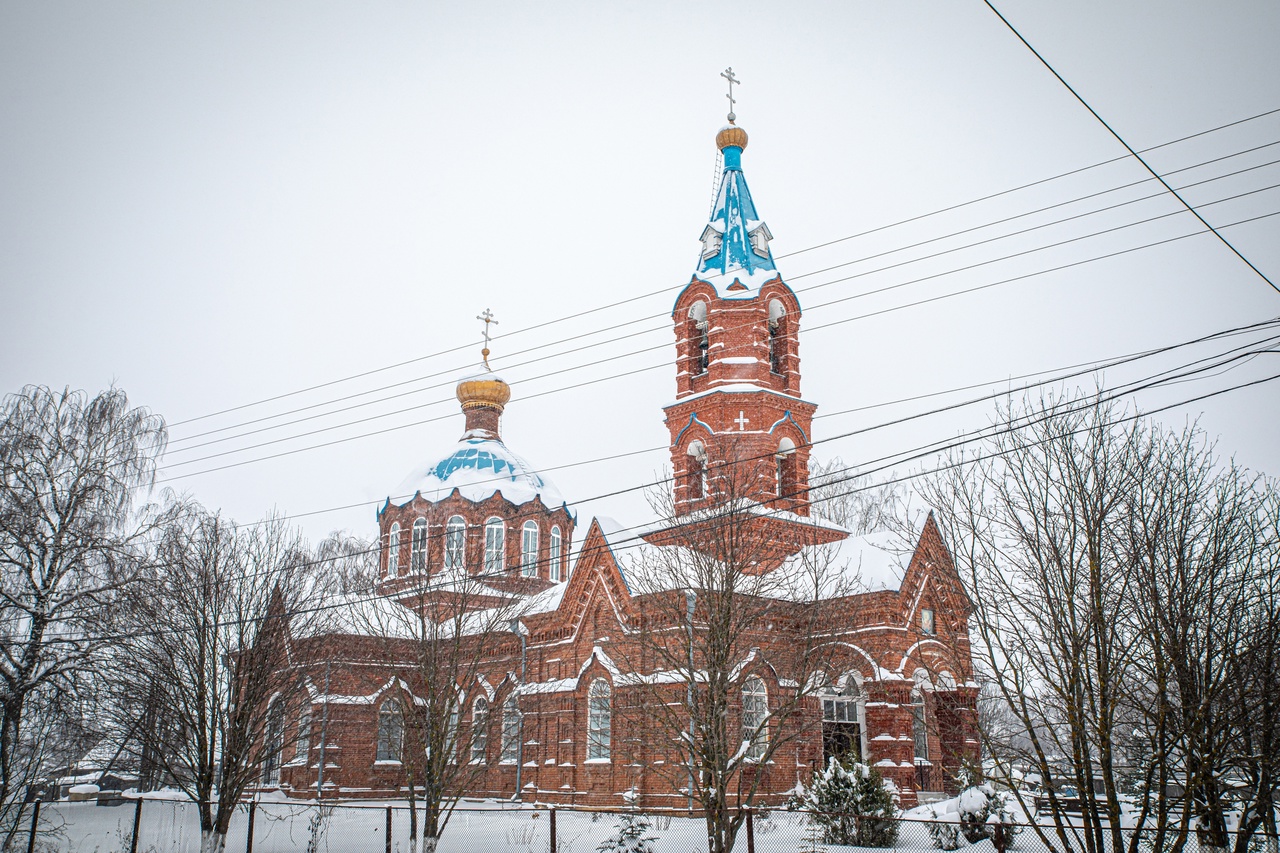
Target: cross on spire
(488, 318)
(728, 75)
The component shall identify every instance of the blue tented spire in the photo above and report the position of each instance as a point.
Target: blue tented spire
(735, 242)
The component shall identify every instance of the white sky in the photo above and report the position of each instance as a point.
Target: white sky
(210, 204)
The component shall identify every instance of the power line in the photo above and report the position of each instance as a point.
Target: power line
(1128, 148)
(955, 463)
(614, 339)
(614, 376)
(629, 300)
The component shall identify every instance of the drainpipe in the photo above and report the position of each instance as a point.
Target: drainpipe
(690, 599)
(519, 631)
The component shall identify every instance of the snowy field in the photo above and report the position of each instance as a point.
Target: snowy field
(168, 825)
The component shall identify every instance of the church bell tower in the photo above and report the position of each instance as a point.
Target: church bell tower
(738, 424)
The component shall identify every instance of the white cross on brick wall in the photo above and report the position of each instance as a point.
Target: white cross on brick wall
(742, 420)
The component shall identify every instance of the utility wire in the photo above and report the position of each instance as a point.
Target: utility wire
(637, 542)
(615, 376)
(628, 300)
(664, 327)
(1131, 151)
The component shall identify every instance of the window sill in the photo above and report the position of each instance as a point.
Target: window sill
(598, 761)
(388, 762)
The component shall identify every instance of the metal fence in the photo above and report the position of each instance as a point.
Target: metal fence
(143, 826)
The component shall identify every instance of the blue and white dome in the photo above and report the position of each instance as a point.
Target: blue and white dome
(478, 467)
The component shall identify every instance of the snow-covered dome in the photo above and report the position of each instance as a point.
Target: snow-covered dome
(478, 467)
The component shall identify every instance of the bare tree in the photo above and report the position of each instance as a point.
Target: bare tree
(438, 634)
(216, 628)
(728, 645)
(1117, 573)
(70, 541)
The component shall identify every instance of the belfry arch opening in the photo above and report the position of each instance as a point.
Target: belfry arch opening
(785, 468)
(777, 336)
(696, 471)
(699, 339)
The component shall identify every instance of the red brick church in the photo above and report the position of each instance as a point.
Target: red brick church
(552, 706)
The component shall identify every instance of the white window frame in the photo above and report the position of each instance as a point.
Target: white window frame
(529, 549)
(393, 550)
(599, 721)
(418, 546)
(479, 730)
(755, 717)
(510, 752)
(390, 742)
(554, 553)
(495, 545)
(455, 543)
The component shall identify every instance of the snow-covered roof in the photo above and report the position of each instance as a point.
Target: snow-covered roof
(733, 220)
(478, 467)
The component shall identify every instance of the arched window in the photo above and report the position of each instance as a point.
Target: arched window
(302, 744)
(696, 478)
(455, 543)
(393, 551)
(755, 713)
(529, 549)
(274, 743)
(777, 336)
(510, 731)
(451, 742)
(390, 731)
(599, 720)
(919, 731)
(843, 718)
(785, 460)
(495, 545)
(699, 338)
(418, 547)
(479, 730)
(554, 556)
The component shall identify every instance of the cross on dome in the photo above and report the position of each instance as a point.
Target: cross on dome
(488, 318)
(728, 75)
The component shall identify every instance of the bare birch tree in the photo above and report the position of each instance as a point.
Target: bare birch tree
(70, 546)
(211, 647)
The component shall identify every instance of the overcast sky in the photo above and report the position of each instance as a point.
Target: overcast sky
(213, 204)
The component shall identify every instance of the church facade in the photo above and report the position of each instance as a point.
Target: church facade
(565, 688)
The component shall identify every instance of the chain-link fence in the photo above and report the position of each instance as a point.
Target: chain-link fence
(143, 826)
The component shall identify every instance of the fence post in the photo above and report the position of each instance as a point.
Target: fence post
(137, 823)
(552, 817)
(751, 831)
(248, 841)
(35, 820)
(388, 829)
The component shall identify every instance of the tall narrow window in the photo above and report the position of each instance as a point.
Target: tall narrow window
(393, 551)
(274, 736)
(755, 713)
(553, 556)
(785, 460)
(510, 731)
(599, 719)
(418, 547)
(919, 731)
(696, 477)
(302, 744)
(390, 731)
(495, 544)
(529, 549)
(451, 742)
(699, 340)
(777, 336)
(455, 543)
(479, 730)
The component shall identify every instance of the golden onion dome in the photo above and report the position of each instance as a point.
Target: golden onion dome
(484, 391)
(729, 135)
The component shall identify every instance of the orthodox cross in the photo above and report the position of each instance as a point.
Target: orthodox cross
(742, 420)
(728, 75)
(487, 316)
